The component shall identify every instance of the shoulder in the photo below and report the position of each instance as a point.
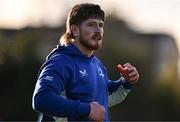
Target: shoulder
(97, 60)
(99, 63)
(59, 62)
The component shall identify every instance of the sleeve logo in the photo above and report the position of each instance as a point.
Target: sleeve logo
(50, 78)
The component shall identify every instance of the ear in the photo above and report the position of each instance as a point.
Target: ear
(75, 30)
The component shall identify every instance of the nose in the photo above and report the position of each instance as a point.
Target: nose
(99, 29)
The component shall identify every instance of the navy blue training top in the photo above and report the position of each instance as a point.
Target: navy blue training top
(84, 79)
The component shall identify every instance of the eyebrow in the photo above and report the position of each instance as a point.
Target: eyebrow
(93, 22)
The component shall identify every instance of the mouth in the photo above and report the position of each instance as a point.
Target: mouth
(97, 37)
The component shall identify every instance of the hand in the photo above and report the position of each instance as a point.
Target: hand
(129, 73)
(97, 113)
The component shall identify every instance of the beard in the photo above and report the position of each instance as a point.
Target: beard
(94, 44)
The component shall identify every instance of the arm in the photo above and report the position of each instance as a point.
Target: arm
(130, 76)
(120, 93)
(46, 98)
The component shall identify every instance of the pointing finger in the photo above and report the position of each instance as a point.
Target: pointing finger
(122, 70)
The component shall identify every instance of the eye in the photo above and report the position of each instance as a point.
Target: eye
(91, 24)
(101, 25)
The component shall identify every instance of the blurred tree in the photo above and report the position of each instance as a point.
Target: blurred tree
(22, 52)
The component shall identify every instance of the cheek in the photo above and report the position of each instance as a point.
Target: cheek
(87, 33)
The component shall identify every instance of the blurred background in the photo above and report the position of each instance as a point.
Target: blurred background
(145, 33)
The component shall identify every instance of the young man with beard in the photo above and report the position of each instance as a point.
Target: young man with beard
(72, 68)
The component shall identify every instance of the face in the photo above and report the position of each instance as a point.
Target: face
(91, 33)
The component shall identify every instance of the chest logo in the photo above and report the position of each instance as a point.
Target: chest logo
(83, 72)
(101, 72)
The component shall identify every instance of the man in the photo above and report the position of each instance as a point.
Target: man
(74, 69)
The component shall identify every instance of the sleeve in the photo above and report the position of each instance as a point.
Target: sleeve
(114, 85)
(46, 98)
(118, 91)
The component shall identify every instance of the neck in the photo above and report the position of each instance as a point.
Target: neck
(83, 49)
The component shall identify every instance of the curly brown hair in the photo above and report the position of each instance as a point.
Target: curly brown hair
(77, 15)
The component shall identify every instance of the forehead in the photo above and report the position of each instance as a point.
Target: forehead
(94, 20)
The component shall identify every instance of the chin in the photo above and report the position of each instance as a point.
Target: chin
(93, 46)
(97, 46)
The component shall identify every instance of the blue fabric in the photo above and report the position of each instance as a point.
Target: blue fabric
(83, 78)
